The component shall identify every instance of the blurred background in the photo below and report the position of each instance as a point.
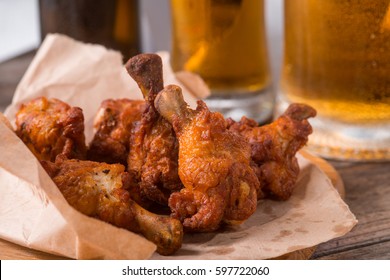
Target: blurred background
(20, 30)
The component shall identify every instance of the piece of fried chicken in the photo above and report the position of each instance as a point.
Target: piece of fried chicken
(214, 166)
(153, 156)
(102, 191)
(50, 127)
(274, 147)
(113, 125)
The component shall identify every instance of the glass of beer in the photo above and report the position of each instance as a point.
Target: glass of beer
(113, 24)
(337, 59)
(224, 42)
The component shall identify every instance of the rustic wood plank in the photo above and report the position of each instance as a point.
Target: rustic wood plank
(378, 251)
(368, 196)
(11, 251)
(371, 231)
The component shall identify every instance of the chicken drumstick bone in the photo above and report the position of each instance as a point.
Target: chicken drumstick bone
(214, 166)
(101, 190)
(152, 161)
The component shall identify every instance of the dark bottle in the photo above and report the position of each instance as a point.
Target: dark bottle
(112, 23)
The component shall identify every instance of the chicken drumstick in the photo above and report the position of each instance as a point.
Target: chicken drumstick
(214, 166)
(274, 147)
(50, 127)
(101, 190)
(153, 155)
(113, 124)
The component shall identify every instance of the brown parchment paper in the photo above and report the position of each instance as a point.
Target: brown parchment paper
(33, 212)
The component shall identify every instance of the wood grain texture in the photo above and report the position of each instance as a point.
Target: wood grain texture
(11, 251)
(367, 188)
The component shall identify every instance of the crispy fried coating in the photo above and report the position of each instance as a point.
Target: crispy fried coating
(102, 191)
(113, 125)
(274, 147)
(214, 166)
(153, 156)
(50, 127)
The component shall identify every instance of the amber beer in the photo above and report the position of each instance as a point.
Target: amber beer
(337, 58)
(223, 41)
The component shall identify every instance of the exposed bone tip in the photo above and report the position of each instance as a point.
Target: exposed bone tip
(147, 71)
(143, 62)
(170, 102)
(168, 94)
(169, 245)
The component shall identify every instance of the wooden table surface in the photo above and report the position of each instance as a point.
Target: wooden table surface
(367, 188)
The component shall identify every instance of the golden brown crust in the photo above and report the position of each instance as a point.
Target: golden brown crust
(114, 123)
(153, 156)
(214, 167)
(103, 191)
(274, 147)
(50, 127)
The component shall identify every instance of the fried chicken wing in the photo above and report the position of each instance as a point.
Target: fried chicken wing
(50, 127)
(102, 191)
(113, 125)
(153, 155)
(274, 147)
(214, 166)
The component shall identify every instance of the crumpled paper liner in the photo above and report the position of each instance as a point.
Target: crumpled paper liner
(33, 213)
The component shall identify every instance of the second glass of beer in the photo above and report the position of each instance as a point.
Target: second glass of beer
(224, 42)
(337, 59)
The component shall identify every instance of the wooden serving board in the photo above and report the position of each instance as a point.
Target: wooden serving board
(11, 251)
